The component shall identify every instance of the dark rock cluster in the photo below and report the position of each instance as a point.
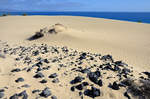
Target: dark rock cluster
(77, 80)
(93, 92)
(94, 77)
(89, 72)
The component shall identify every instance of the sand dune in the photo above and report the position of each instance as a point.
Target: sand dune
(126, 41)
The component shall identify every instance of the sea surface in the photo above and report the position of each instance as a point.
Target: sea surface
(143, 17)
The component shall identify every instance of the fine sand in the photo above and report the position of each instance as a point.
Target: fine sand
(125, 41)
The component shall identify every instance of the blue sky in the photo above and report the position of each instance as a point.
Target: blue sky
(76, 5)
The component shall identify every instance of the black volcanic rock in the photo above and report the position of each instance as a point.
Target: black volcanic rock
(85, 83)
(35, 91)
(126, 95)
(116, 68)
(25, 86)
(39, 69)
(100, 83)
(114, 86)
(53, 97)
(45, 93)
(147, 73)
(80, 94)
(16, 70)
(85, 70)
(119, 63)
(2, 90)
(54, 75)
(82, 56)
(56, 80)
(98, 73)
(29, 69)
(65, 49)
(108, 66)
(43, 81)
(91, 58)
(24, 94)
(38, 75)
(46, 68)
(15, 96)
(94, 77)
(19, 80)
(93, 92)
(17, 59)
(107, 58)
(126, 71)
(72, 88)
(35, 53)
(79, 87)
(46, 61)
(77, 80)
(39, 64)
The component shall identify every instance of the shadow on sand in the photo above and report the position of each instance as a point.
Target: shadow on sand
(36, 36)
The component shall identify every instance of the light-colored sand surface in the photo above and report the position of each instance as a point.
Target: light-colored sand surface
(126, 41)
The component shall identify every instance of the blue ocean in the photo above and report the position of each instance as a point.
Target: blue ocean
(143, 17)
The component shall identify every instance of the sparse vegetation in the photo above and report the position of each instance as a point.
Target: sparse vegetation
(145, 88)
(4, 14)
(139, 21)
(36, 36)
(140, 89)
(24, 14)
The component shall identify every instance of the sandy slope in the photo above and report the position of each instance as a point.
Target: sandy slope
(125, 41)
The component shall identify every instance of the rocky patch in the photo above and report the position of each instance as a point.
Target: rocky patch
(85, 73)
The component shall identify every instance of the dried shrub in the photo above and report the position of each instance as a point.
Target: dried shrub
(140, 89)
(4, 14)
(145, 88)
(24, 14)
(36, 36)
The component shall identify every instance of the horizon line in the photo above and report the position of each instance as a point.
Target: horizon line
(80, 11)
